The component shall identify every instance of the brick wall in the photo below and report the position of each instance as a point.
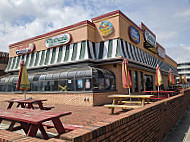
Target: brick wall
(80, 99)
(149, 123)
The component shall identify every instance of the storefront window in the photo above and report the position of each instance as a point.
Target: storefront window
(70, 85)
(135, 74)
(95, 84)
(80, 85)
(75, 79)
(141, 81)
(62, 85)
(101, 84)
(88, 84)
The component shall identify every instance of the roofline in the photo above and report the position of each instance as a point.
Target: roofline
(142, 24)
(55, 31)
(114, 13)
(161, 46)
(171, 58)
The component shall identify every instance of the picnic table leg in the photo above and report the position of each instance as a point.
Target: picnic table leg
(25, 127)
(10, 105)
(43, 132)
(143, 100)
(22, 105)
(40, 105)
(58, 125)
(30, 105)
(32, 131)
(148, 101)
(112, 110)
(11, 125)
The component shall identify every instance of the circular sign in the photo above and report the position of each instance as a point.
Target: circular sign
(134, 34)
(106, 28)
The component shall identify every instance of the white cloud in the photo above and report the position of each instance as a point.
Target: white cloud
(22, 19)
(182, 14)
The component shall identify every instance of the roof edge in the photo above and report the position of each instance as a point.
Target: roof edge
(52, 32)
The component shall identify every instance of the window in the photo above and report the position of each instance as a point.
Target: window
(135, 74)
(80, 84)
(141, 81)
(62, 85)
(73, 79)
(70, 85)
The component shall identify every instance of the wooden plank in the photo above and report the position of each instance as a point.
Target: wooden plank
(130, 96)
(121, 106)
(134, 102)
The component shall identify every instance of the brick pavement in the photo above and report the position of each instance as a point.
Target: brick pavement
(81, 115)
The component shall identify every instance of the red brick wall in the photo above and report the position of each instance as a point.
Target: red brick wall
(149, 123)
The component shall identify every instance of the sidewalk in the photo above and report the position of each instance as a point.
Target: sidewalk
(181, 131)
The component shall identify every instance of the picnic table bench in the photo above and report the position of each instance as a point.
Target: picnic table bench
(119, 102)
(160, 94)
(29, 103)
(32, 120)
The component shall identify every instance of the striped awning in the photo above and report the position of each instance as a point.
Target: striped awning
(88, 51)
(80, 51)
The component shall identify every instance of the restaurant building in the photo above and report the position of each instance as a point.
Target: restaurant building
(81, 64)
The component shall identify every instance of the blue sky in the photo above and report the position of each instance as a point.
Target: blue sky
(169, 20)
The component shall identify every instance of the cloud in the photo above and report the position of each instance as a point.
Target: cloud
(182, 14)
(169, 20)
(185, 47)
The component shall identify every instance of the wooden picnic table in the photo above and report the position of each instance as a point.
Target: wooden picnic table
(32, 120)
(28, 103)
(165, 94)
(118, 101)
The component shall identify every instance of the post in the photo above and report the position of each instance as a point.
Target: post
(25, 96)
(158, 91)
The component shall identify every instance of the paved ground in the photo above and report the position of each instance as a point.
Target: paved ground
(81, 115)
(181, 131)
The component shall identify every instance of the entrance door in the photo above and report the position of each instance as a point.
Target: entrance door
(149, 82)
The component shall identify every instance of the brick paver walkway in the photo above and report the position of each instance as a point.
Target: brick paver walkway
(81, 115)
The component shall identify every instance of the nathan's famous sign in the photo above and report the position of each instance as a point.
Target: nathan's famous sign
(58, 40)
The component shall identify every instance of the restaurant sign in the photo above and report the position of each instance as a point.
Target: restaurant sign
(161, 52)
(106, 28)
(134, 34)
(58, 40)
(150, 38)
(25, 49)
